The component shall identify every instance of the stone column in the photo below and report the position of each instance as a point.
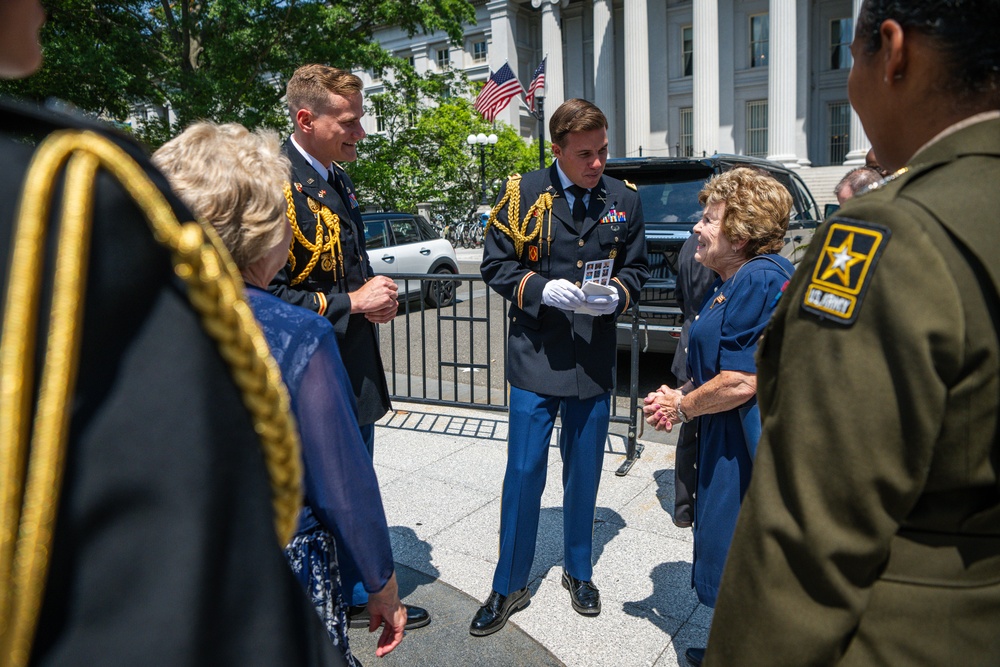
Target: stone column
(858, 143)
(781, 79)
(604, 67)
(705, 92)
(552, 49)
(637, 77)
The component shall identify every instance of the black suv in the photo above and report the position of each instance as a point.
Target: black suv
(669, 190)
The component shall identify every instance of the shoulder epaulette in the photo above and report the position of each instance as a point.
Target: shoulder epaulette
(631, 186)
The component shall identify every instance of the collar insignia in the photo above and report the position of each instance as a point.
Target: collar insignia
(322, 193)
(310, 181)
(298, 186)
(844, 269)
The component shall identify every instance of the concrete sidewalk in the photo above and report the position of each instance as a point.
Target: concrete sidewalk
(441, 472)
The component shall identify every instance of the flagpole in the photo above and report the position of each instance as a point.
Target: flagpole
(541, 132)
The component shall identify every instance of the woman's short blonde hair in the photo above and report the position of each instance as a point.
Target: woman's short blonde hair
(757, 208)
(233, 179)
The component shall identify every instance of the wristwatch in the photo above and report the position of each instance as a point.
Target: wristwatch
(680, 413)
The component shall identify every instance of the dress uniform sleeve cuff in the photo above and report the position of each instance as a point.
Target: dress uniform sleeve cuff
(321, 303)
(625, 298)
(528, 296)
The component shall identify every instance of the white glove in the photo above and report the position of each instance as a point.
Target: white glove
(563, 294)
(606, 305)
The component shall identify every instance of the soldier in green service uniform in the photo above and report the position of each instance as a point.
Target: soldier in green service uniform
(870, 534)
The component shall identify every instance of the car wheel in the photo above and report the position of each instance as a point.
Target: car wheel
(440, 293)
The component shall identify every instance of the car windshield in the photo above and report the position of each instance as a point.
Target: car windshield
(671, 202)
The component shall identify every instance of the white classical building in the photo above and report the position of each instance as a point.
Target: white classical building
(675, 77)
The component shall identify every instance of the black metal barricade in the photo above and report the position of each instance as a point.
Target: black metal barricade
(454, 353)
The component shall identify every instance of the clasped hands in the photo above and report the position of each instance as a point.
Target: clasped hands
(566, 296)
(660, 408)
(377, 299)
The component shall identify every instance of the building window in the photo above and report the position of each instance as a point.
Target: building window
(840, 131)
(757, 128)
(413, 61)
(479, 51)
(443, 58)
(758, 40)
(687, 50)
(379, 120)
(686, 145)
(841, 31)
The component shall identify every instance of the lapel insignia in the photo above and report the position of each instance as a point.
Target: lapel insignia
(321, 193)
(719, 299)
(602, 198)
(298, 186)
(311, 181)
(844, 269)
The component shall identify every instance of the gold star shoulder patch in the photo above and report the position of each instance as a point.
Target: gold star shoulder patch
(845, 266)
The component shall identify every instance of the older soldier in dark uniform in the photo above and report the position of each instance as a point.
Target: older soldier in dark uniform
(870, 534)
(545, 228)
(328, 269)
(137, 515)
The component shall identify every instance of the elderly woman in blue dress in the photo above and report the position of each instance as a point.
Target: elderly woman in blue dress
(233, 179)
(739, 235)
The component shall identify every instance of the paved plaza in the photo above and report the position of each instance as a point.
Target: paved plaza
(440, 471)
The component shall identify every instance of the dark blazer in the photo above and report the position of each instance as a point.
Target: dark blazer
(164, 550)
(870, 534)
(552, 351)
(326, 287)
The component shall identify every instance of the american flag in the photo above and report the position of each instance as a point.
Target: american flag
(537, 83)
(501, 87)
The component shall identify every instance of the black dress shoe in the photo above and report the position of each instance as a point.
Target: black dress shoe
(358, 617)
(694, 656)
(496, 610)
(584, 595)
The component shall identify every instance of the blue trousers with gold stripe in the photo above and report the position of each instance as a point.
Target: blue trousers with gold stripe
(581, 445)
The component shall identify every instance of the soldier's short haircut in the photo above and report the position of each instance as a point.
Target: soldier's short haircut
(966, 33)
(758, 207)
(311, 85)
(857, 180)
(575, 115)
(232, 179)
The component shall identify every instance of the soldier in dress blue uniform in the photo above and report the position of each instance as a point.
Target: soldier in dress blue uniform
(543, 231)
(328, 269)
(143, 532)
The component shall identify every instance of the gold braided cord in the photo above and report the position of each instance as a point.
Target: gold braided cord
(324, 242)
(31, 471)
(518, 232)
(45, 457)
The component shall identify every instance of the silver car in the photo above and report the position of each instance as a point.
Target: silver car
(406, 244)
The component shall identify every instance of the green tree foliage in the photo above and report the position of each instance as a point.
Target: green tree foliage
(225, 60)
(421, 154)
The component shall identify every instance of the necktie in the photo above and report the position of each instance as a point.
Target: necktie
(579, 207)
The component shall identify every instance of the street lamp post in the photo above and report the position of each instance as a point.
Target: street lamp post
(481, 141)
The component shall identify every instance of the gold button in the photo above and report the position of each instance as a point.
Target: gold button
(616, 239)
(696, 317)
(514, 319)
(578, 284)
(579, 263)
(581, 242)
